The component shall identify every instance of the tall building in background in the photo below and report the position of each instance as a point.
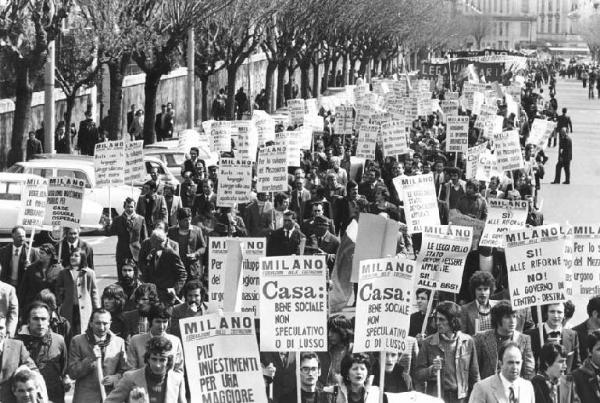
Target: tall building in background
(556, 27)
(512, 23)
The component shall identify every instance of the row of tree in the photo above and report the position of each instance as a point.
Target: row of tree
(293, 34)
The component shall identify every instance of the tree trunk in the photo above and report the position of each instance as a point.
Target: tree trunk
(116, 99)
(315, 86)
(281, 69)
(150, 91)
(344, 70)
(231, 75)
(204, 92)
(304, 79)
(271, 67)
(70, 103)
(352, 67)
(326, 71)
(364, 67)
(22, 114)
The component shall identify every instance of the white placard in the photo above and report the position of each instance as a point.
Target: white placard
(457, 134)
(420, 201)
(265, 126)
(508, 150)
(109, 163)
(245, 138)
(271, 169)
(586, 261)
(296, 111)
(503, 216)
(235, 182)
(34, 195)
(65, 200)
(393, 135)
(135, 168)
(220, 136)
(367, 140)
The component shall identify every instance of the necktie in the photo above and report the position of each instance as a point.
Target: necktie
(554, 335)
(72, 248)
(16, 252)
(287, 234)
(511, 395)
(284, 359)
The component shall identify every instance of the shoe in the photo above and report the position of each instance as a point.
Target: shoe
(555, 183)
(566, 183)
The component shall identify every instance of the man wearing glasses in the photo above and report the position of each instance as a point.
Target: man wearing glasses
(310, 370)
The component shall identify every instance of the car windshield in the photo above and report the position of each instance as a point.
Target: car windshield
(10, 190)
(73, 173)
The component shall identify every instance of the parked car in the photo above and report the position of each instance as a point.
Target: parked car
(11, 204)
(173, 155)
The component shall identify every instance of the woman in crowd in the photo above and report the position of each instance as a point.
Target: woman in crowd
(77, 292)
(39, 275)
(355, 385)
(113, 300)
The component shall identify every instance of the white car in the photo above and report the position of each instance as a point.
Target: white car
(11, 185)
(173, 156)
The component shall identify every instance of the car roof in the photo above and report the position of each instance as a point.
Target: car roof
(71, 158)
(17, 177)
(58, 163)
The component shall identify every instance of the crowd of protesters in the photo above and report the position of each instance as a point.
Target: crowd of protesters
(58, 329)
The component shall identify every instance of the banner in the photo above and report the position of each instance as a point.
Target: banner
(442, 257)
(534, 258)
(455, 217)
(109, 163)
(252, 250)
(586, 261)
(473, 159)
(420, 201)
(135, 168)
(458, 67)
(457, 134)
(271, 169)
(235, 182)
(393, 135)
(502, 216)
(34, 195)
(367, 139)
(65, 199)
(383, 305)
(508, 150)
(222, 359)
(293, 303)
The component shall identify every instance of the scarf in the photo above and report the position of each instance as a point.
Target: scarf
(38, 347)
(100, 343)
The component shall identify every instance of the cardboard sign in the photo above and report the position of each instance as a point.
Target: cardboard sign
(586, 261)
(473, 159)
(296, 111)
(393, 135)
(135, 168)
(383, 304)
(109, 163)
(293, 303)
(265, 126)
(442, 258)
(420, 201)
(252, 250)
(540, 132)
(222, 358)
(344, 119)
(245, 138)
(367, 140)
(271, 169)
(487, 166)
(457, 134)
(535, 266)
(220, 136)
(449, 107)
(503, 216)
(508, 150)
(235, 182)
(65, 199)
(314, 123)
(34, 195)
(568, 256)
(291, 141)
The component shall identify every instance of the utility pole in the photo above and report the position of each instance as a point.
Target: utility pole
(191, 104)
(49, 107)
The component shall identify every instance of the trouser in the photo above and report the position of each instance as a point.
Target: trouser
(552, 138)
(584, 83)
(560, 165)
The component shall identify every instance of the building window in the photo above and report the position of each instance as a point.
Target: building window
(500, 25)
(557, 24)
(506, 45)
(525, 7)
(550, 6)
(524, 29)
(501, 1)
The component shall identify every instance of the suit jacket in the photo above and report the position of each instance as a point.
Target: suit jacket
(308, 227)
(137, 348)
(542, 391)
(569, 342)
(159, 210)
(175, 392)
(469, 314)
(166, 271)
(9, 307)
(285, 376)
(85, 248)
(582, 333)
(201, 203)
(6, 263)
(258, 223)
(279, 245)
(586, 384)
(181, 311)
(145, 250)
(341, 213)
(14, 354)
(565, 149)
(33, 147)
(487, 353)
(172, 212)
(299, 201)
(87, 296)
(491, 390)
(81, 355)
(130, 234)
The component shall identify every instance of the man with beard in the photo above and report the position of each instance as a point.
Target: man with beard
(194, 305)
(137, 320)
(129, 282)
(47, 349)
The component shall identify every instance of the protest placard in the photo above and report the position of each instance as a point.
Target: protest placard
(311, 106)
(567, 232)
(135, 168)
(220, 136)
(245, 138)
(473, 159)
(586, 261)
(457, 134)
(442, 257)
(293, 305)
(235, 181)
(540, 131)
(487, 166)
(455, 217)
(33, 198)
(65, 199)
(449, 107)
(222, 359)
(265, 126)
(451, 95)
(296, 111)
(344, 119)
(503, 216)
(271, 169)
(534, 258)
(291, 141)
(383, 303)
(367, 139)
(252, 250)
(393, 135)
(314, 123)
(508, 150)
(420, 201)
(109, 163)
